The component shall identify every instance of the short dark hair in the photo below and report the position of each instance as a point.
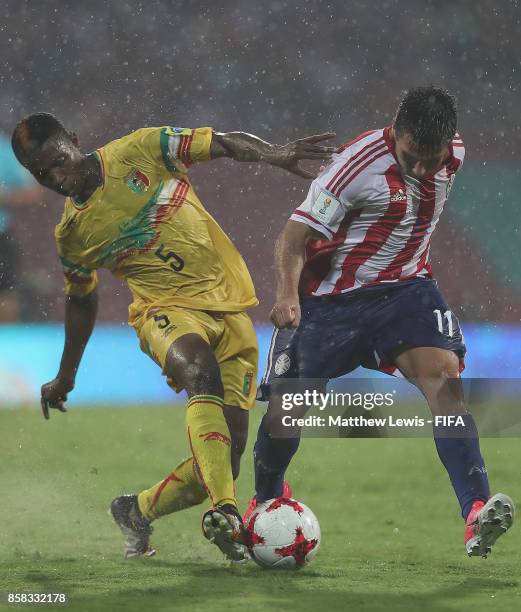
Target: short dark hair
(33, 132)
(429, 116)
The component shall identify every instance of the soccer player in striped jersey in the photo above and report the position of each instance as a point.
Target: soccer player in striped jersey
(131, 209)
(355, 287)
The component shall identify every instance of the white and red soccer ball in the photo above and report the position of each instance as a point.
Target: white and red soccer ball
(283, 533)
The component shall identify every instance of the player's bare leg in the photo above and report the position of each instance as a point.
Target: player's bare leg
(436, 373)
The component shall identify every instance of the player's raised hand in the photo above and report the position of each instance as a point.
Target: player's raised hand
(286, 313)
(289, 155)
(54, 395)
(249, 148)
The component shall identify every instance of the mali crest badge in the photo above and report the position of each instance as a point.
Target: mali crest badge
(138, 181)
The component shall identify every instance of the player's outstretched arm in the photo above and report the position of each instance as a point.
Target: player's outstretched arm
(80, 317)
(248, 148)
(289, 261)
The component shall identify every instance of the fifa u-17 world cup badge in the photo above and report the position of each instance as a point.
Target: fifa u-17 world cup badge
(325, 207)
(175, 131)
(246, 385)
(138, 181)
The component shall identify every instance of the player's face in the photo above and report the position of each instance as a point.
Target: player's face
(59, 165)
(415, 164)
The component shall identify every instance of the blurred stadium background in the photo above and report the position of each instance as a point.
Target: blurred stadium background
(280, 70)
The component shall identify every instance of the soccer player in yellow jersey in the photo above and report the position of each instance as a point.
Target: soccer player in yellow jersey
(130, 208)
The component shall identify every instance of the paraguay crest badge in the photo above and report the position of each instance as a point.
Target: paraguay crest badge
(138, 181)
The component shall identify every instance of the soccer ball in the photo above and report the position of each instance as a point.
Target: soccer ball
(283, 533)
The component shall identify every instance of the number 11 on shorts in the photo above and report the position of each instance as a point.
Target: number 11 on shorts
(447, 315)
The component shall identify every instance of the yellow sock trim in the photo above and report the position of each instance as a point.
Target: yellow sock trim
(205, 399)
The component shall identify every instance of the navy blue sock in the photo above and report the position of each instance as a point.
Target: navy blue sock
(271, 457)
(458, 449)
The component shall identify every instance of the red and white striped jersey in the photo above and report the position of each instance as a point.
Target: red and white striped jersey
(378, 223)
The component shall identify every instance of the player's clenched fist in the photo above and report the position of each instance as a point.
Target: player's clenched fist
(54, 395)
(286, 312)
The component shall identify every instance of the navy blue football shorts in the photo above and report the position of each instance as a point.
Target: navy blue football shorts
(363, 328)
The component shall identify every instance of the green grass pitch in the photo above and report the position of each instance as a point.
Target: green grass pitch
(391, 530)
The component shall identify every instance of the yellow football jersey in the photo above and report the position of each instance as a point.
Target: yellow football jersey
(146, 224)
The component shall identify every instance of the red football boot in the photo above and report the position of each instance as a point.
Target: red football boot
(486, 522)
(287, 491)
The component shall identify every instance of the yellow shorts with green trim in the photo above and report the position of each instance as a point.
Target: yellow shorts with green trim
(230, 335)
